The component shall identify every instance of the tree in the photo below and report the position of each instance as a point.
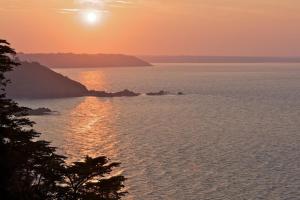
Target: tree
(84, 180)
(30, 168)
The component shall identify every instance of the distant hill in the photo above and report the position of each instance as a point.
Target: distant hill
(32, 80)
(218, 59)
(69, 60)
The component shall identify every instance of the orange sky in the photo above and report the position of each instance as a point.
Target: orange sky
(155, 27)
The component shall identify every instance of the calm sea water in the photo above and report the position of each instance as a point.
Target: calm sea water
(234, 135)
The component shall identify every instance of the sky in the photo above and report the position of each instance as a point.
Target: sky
(153, 27)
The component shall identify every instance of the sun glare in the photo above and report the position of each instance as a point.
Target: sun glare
(91, 17)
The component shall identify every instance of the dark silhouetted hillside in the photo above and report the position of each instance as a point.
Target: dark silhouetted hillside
(69, 60)
(32, 80)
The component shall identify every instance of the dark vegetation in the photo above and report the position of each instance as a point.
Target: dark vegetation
(30, 169)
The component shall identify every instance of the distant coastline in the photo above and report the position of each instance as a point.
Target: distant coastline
(70, 60)
(218, 59)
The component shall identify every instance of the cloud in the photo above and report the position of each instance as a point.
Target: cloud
(104, 3)
(83, 5)
(74, 10)
(98, 3)
(95, 5)
(90, 1)
(70, 9)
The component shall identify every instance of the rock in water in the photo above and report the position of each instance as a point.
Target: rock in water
(124, 93)
(160, 93)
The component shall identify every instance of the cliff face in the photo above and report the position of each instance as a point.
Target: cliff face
(32, 80)
(69, 60)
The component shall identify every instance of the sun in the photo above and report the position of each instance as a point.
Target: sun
(91, 17)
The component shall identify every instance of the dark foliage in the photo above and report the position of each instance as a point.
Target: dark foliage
(30, 168)
(85, 180)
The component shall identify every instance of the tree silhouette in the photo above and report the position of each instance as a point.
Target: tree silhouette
(30, 168)
(84, 180)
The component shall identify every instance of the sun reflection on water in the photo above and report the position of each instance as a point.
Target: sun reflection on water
(92, 79)
(91, 130)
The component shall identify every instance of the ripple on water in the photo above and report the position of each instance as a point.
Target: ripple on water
(234, 136)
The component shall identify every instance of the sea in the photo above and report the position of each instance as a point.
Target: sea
(233, 135)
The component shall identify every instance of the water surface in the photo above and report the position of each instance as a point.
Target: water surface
(234, 135)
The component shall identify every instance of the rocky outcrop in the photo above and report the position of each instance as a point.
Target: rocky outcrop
(124, 93)
(160, 93)
(40, 111)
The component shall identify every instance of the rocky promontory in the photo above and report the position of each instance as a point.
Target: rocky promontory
(32, 80)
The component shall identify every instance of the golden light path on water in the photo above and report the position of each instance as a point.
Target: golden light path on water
(92, 79)
(91, 130)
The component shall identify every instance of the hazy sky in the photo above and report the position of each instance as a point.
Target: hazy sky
(167, 27)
